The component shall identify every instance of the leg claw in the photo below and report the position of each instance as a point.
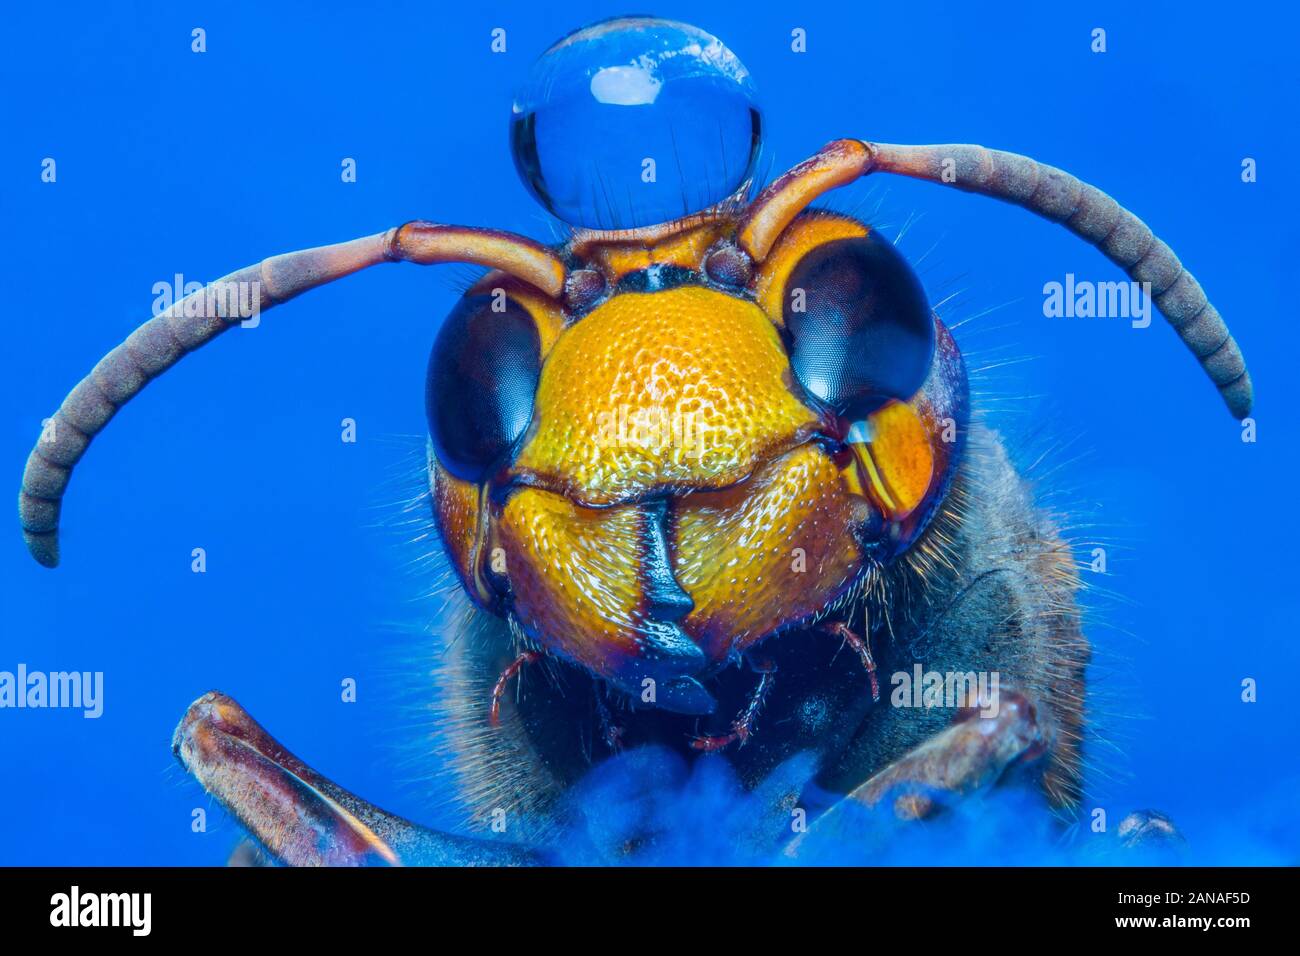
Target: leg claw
(499, 689)
(862, 646)
(743, 725)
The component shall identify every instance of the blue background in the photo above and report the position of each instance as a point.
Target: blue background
(169, 161)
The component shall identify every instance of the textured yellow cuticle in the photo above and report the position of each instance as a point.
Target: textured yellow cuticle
(682, 388)
(762, 554)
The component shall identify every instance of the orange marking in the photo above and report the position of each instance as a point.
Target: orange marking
(547, 313)
(685, 248)
(802, 236)
(899, 459)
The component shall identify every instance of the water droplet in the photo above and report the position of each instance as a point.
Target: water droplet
(635, 121)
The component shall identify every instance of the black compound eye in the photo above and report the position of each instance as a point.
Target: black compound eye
(858, 325)
(483, 375)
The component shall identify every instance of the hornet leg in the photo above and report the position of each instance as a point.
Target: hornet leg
(967, 756)
(302, 819)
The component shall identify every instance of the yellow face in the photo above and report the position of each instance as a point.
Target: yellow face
(686, 457)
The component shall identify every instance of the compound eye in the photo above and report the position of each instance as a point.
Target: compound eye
(482, 378)
(858, 325)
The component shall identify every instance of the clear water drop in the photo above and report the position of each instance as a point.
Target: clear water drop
(635, 121)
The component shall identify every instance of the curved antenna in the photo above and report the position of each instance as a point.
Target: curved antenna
(1051, 193)
(198, 318)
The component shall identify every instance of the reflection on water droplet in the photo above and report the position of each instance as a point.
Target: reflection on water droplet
(635, 121)
(625, 86)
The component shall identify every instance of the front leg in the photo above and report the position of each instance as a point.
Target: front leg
(967, 756)
(299, 817)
